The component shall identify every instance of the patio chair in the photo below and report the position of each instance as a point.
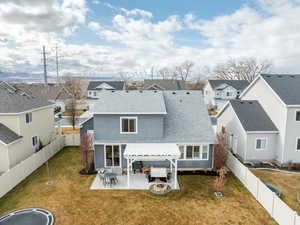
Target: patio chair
(107, 181)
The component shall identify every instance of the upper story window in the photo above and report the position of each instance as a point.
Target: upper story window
(128, 125)
(228, 94)
(298, 144)
(261, 143)
(298, 116)
(94, 93)
(28, 117)
(90, 93)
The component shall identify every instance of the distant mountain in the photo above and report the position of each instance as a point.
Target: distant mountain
(38, 78)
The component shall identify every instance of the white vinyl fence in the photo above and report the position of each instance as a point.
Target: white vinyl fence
(72, 139)
(280, 211)
(15, 175)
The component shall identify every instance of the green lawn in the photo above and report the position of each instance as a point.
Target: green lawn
(72, 203)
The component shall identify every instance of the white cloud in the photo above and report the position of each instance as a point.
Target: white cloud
(136, 41)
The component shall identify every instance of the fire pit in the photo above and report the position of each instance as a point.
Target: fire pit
(160, 188)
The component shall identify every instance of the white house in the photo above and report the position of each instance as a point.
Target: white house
(26, 124)
(218, 92)
(95, 87)
(278, 95)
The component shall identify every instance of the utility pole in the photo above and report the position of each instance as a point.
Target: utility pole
(45, 65)
(56, 56)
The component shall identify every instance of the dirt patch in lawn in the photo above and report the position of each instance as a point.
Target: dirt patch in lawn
(72, 203)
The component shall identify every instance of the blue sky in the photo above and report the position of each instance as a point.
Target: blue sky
(109, 38)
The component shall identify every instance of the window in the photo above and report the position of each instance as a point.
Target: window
(204, 152)
(194, 152)
(228, 94)
(34, 141)
(90, 93)
(112, 155)
(298, 116)
(261, 144)
(94, 93)
(181, 149)
(28, 117)
(128, 125)
(298, 144)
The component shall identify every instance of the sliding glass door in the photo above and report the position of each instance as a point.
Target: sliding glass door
(112, 155)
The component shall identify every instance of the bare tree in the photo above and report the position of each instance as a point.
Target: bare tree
(165, 73)
(86, 147)
(75, 87)
(221, 150)
(184, 70)
(242, 69)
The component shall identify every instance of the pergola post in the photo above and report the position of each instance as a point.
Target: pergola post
(128, 175)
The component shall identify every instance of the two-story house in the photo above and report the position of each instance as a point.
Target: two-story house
(95, 87)
(277, 125)
(218, 92)
(157, 128)
(26, 124)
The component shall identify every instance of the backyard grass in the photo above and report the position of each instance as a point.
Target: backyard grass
(289, 184)
(72, 203)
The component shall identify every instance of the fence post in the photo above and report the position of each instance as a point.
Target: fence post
(273, 204)
(295, 217)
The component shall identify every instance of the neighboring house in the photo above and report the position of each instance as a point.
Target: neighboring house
(152, 127)
(218, 92)
(26, 124)
(95, 87)
(252, 134)
(164, 85)
(278, 95)
(54, 93)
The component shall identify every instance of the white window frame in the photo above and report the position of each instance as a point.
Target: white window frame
(90, 93)
(120, 155)
(297, 138)
(30, 117)
(261, 149)
(37, 141)
(94, 93)
(129, 117)
(296, 115)
(201, 152)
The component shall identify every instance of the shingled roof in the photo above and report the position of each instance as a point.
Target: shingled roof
(237, 84)
(286, 86)
(7, 136)
(162, 84)
(117, 85)
(15, 101)
(252, 116)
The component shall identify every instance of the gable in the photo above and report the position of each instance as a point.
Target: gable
(105, 86)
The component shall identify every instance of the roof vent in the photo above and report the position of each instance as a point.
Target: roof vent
(112, 91)
(141, 91)
(173, 92)
(180, 100)
(292, 76)
(127, 91)
(268, 76)
(250, 102)
(279, 76)
(155, 91)
(188, 93)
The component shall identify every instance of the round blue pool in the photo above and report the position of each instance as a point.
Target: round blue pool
(28, 217)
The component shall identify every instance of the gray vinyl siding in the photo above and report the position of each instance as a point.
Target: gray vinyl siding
(267, 154)
(149, 127)
(88, 125)
(184, 164)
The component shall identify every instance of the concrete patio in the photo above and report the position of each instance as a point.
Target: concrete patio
(137, 182)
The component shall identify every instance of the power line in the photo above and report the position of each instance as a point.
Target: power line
(45, 65)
